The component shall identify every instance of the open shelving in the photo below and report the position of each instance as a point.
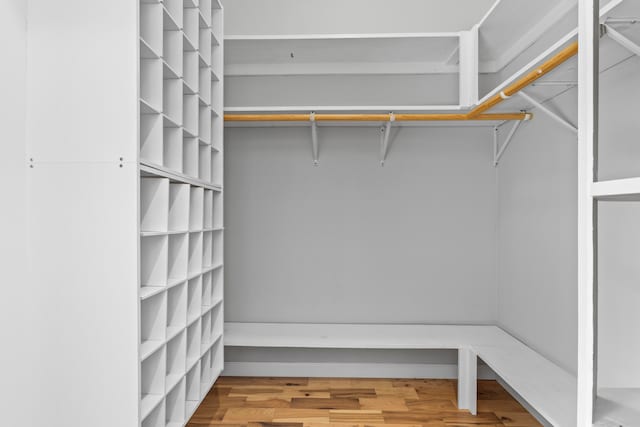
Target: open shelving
(177, 203)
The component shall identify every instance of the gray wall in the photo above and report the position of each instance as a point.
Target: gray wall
(537, 237)
(17, 323)
(350, 241)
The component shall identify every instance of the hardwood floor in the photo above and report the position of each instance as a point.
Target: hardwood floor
(344, 402)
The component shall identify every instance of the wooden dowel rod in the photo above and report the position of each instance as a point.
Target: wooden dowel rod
(370, 117)
(531, 77)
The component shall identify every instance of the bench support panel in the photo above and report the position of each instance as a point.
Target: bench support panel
(467, 380)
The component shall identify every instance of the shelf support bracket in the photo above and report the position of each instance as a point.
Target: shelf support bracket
(548, 112)
(384, 138)
(622, 40)
(314, 138)
(499, 151)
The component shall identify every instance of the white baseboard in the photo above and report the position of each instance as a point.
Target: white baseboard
(349, 370)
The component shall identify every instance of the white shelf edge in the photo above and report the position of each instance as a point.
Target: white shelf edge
(149, 348)
(174, 331)
(150, 291)
(162, 233)
(172, 20)
(259, 37)
(318, 108)
(171, 381)
(158, 170)
(148, 403)
(617, 188)
(147, 108)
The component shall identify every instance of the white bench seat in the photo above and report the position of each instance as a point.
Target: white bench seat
(550, 390)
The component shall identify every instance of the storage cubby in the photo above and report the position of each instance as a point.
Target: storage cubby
(190, 114)
(217, 167)
(217, 321)
(178, 256)
(217, 127)
(207, 249)
(194, 299)
(193, 343)
(179, 206)
(206, 373)
(204, 122)
(151, 26)
(191, 28)
(156, 418)
(216, 285)
(151, 150)
(176, 405)
(208, 209)
(205, 13)
(190, 159)
(176, 359)
(218, 247)
(217, 357)
(153, 260)
(176, 309)
(195, 253)
(151, 85)
(152, 382)
(191, 66)
(170, 21)
(154, 204)
(217, 210)
(173, 148)
(174, 9)
(196, 211)
(153, 317)
(193, 388)
(173, 45)
(206, 290)
(205, 85)
(205, 158)
(204, 49)
(205, 339)
(173, 100)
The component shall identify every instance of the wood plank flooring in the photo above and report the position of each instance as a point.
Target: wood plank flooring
(344, 402)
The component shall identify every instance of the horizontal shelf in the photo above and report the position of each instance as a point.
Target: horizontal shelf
(618, 405)
(149, 403)
(170, 22)
(163, 233)
(149, 291)
(173, 331)
(617, 189)
(149, 347)
(212, 343)
(214, 76)
(188, 44)
(168, 122)
(172, 381)
(168, 72)
(146, 51)
(150, 169)
(146, 108)
(191, 408)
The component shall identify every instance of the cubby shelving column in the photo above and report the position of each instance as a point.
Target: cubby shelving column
(181, 224)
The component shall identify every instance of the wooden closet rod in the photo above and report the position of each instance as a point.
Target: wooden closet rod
(478, 113)
(369, 117)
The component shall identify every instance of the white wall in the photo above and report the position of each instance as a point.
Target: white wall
(537, 240)
(353, 16)
(350, 241)
(19, 392)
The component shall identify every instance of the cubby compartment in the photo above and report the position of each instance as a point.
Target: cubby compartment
(156, 418)
(206, 373)
(208, 209)
(216, 96)
(153, 318)
(205, 158)
(217, 129)
(195, 253)
(193, 388)
(174, 9)
(190, 156)
(217, 321)
(173, 100)
(217, 167)
(205, 85)
(176, 359)
(154, 204)
(216, 286)
(172, 148)
(176, 405)
(216, 25)
(191, 68)
(191, 28)
(207, 249)
(151, 85)
(218, 247)
(178, 257)
(153, 260)
(151, 150)
(194, 299)
(179, 206)
(205, 340)
(204, 49)
(217, 357)
(190, 114)
(204, 122)
(152, 382)
(196, 210)
(170, 21)
(205, 13)
(173, 45)
(206, 290)
(193, 343)
(176, 309)
(151, 26)
(217, 210)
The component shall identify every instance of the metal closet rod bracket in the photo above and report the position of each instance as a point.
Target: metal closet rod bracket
(314, 137)
(384, 138)
(499, 151)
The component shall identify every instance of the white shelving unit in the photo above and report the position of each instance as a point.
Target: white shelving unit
(180, 201)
